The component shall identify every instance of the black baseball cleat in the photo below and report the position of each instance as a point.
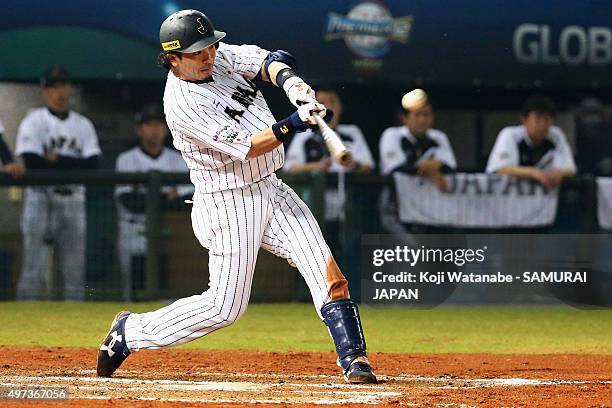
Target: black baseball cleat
(360, 372)
(113, 350)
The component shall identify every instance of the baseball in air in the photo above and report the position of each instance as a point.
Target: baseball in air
(414, 99)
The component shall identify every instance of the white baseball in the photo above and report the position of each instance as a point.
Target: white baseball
(414, 99)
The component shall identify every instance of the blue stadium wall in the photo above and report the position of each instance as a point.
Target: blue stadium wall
(519, 43)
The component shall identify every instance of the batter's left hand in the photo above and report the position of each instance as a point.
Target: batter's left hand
(307, 111)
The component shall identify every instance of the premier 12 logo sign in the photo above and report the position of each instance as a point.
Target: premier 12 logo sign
(368, 28)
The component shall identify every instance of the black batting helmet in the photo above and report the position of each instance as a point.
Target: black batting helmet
(188, 31)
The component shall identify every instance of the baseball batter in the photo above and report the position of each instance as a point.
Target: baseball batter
(232, 145)
(55, 138)
(150, 154)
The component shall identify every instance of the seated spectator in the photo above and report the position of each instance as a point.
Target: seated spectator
(535, 149)
(55, 138)
(6, 158)
(150, 154)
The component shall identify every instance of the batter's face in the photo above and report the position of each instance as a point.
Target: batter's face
(537, 125)
(152, 133)
(194, 66)
(57, 97)
(419, 120)
(331, 101)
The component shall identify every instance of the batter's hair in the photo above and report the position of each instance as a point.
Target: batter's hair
(162, 60)
(538, 103)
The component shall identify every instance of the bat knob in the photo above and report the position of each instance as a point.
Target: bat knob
(345, 158)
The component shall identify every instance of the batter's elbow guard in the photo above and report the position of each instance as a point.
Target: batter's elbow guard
(280, 56)
(342, 320)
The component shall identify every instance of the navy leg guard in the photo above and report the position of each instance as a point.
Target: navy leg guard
(342, 320)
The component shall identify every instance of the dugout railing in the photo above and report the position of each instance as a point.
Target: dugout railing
(173, 263)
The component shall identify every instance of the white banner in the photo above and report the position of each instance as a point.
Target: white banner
(604, 202)
(475, 200)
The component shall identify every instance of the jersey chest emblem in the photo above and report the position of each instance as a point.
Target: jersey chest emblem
(61, 143)
(245, 97)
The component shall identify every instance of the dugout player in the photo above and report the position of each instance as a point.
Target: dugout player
(535, 149)
(6, 158)
(413, 148)
(232, 144)
(150, 154)
(308, 152)
(55, 138)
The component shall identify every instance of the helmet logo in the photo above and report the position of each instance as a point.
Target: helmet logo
(201, 28)
(171, 45)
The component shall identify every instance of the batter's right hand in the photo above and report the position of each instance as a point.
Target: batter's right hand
(298, 91)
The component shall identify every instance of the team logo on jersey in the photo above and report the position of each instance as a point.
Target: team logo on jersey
(63, 144)
(171, 45)
(201, 28)
(245, 97)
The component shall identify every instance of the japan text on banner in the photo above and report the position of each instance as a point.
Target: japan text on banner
(604, 202)
(475, 200)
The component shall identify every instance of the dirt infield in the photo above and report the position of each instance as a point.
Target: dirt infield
(221, 378)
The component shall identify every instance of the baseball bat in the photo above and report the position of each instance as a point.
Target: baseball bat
(334, 144)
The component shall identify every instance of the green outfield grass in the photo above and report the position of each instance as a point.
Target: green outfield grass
(295, 327)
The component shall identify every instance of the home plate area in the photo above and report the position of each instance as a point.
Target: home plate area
(217, 388)
(220, 378)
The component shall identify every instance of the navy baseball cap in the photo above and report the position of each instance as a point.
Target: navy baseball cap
(55, 75)
(150, 112)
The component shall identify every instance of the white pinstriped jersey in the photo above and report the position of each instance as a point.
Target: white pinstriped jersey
(212, 121)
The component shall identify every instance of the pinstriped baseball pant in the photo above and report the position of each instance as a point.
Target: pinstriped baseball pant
(233, 225)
